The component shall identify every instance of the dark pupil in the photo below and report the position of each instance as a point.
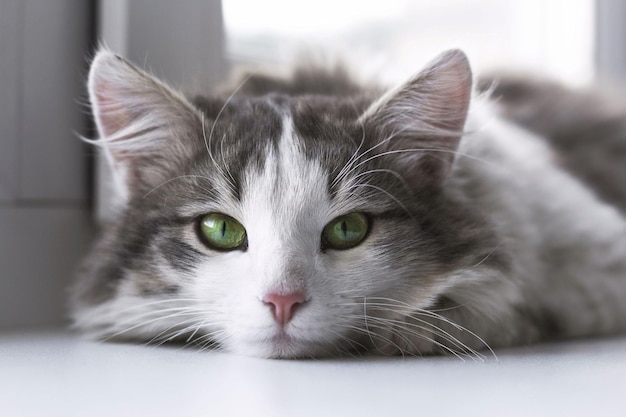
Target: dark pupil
(223, 229)
(344, 228)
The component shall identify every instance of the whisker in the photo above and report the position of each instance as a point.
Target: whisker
(145, 323)
(208, 147)
(423, 150)
(388, 194)
(381, 324)
(371, 334)
(438, 331)
(356, 156)
(125, 311)
(229, 179)
(173, 332)
(408, 310)
(174, 179)
(387, 171)
(207, 341)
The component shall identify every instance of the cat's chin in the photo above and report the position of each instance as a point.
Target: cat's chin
(276, 349)
(280, 346)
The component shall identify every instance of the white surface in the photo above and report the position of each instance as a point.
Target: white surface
(54, 374)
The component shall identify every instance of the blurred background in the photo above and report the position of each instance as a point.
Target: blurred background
(52, 187)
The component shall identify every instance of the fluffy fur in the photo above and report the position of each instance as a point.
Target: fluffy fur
(479, 236)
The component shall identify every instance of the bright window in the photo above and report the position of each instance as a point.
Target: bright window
(391, 39)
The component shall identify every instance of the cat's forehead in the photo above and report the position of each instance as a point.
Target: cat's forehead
(295, 170)
(290, 191)
(280, 151)
(250, 131)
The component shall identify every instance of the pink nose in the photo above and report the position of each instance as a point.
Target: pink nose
(284, 306)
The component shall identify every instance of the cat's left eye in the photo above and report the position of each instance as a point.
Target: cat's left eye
(222, 232)
(345, 231)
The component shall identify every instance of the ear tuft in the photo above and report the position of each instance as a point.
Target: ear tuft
(121, 94)
(139, 118)
(427, 114)
(434, 101)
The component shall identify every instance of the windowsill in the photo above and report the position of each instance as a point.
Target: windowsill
(57, 374)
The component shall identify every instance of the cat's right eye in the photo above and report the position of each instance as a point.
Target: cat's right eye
(222, 232)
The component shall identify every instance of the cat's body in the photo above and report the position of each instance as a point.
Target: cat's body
(471, 239)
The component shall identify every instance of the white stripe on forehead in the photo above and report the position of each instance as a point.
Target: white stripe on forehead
(284, 208)
(290, 185)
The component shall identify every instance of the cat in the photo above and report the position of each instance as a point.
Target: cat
(319, 217)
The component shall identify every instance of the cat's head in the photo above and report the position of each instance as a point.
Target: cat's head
(275, 226)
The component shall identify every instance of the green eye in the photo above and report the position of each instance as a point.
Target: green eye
(345, 232)
(222, 232)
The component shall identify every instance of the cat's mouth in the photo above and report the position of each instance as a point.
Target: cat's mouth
(284, 340)
(282, 345)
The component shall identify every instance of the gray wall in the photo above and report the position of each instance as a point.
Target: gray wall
(610, 42)
(44, 213)
(45, 180)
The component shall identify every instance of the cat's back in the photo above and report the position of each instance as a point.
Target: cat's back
(586, 128)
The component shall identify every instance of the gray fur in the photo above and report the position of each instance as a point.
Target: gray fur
(587, 128)
(479, 238)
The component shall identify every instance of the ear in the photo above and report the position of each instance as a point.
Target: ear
(144, 126)
(422, 122)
